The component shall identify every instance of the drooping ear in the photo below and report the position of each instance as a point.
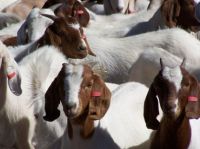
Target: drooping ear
(22, 34)
(81, 14)
(192, 108)
(52, 101)
(151, 110)
(100, 99)
(13, 75)
(170, 10)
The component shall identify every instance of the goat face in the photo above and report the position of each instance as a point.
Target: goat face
(67, 34)
(177, 91)
(80, 91)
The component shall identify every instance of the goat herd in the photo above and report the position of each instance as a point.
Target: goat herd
(105, 74)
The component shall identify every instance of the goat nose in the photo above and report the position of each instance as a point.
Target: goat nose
(82, 48)
(71, 105)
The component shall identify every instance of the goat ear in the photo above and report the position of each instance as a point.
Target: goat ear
(22, 35)
(81, 14)
(192, 108)
(52, 101)
(170, 9)
(151, 110)
(100, 99)
(14, 78)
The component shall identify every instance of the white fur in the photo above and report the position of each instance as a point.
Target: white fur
(5, 3)
(115, 56)
(121, 127)
(72, 83)
(34, 25)
(120, 26)
(194, 123)
(17, 119)
(38, 70)
(173, 75)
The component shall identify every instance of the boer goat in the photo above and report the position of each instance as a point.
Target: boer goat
(94, 120)
(17, 120)
(65, 34)
(178, 93)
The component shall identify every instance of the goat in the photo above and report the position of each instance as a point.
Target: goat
(115, 56)
(178, 94)
(38, 70)
(59, 34)
(17, 121)
(87, 103)
(34, 26)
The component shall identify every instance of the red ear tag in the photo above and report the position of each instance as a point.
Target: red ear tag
(192, 98)
(96, 94)
(11, 75)
(79, 12)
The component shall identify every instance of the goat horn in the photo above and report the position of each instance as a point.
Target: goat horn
(50, 16)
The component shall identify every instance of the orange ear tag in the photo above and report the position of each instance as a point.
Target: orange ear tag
(11, 75)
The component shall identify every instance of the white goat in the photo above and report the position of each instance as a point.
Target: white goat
(34, 26)
(115, 56)
(17, 119)
(122, 126)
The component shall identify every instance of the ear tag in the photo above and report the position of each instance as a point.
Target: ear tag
(96, 94)
(80, 12)
(11, 75)
(192, 98)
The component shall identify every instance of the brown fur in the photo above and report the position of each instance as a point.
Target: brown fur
(174, 130)
(12, 41)
(71, 8)
(66, 38)
(90, 108)
(180, 13)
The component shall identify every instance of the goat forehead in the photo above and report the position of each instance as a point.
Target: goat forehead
(173, 75)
